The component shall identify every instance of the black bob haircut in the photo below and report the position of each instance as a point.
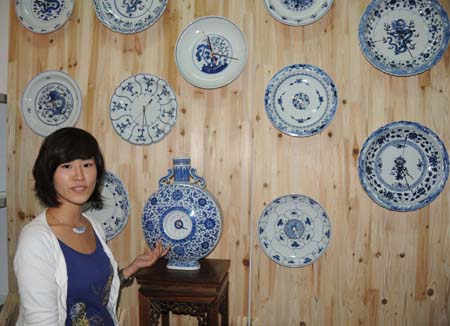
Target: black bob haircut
(62, 146)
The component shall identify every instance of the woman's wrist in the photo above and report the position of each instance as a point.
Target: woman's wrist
(126, 276)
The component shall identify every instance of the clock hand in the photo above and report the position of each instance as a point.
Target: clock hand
(144, 119)
(407, 183)
(210, 47)
(226, 56)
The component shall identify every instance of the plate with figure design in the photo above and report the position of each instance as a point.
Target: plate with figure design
(211, 52)
(143, 109)
(301, 100)
(298, 12)
(43, 16)
(294, 230)
(129, 16)
(51, 100)
(403, 166)
(113, 216)
(404, 37)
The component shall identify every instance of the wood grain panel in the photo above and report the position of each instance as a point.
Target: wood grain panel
(381, 268)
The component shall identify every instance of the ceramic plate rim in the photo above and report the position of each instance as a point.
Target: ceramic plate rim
(188, 26)
(101, 17)
(396, 71)
(332, 110)
(298, 265)
(176, 109)
(73, 83)
(298, 24)
(374, 196)
(28, 26)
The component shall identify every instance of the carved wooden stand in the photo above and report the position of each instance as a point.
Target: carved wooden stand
(202, 293)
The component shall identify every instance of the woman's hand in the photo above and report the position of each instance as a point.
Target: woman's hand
(145, 260)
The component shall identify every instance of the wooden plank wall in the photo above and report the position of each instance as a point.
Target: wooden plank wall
(381, 268)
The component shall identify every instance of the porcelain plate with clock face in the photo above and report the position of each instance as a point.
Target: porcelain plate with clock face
(298, 12)
(301, 100)
(211, 52)
(116, 206)
(44, 16)
(51, 100)
(403, 166)
(128, 17)
(404, 37)
(143, 109)
(294, 230)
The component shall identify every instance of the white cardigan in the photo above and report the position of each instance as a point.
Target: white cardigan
(41, 273)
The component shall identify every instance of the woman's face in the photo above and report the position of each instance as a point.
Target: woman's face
(75, 181)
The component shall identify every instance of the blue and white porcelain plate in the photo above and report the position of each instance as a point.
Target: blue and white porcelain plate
(116, 206)
(211, 52)
(187, 218)
(301, 100)
(294, 230)
(404, 37)
(129, 17)
(51, 100)
(143, 109)
(43, 16)
(298, 12)
(403, 166)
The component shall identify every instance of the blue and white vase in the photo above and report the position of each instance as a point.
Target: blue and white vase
(184, 215)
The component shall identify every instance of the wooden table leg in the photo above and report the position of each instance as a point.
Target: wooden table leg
(165, 319)
(223, 307)
(213, 314)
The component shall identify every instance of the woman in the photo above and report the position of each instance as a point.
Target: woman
(66, 273)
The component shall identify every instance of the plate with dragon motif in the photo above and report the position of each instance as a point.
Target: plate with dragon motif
(404, 37)
(129, 17)
(143, 109)
(301, 100)
(43, 16)
(298, 12)
(113, 216)
(51, 100)
(403, 166)
(211, 52)
(294, 230)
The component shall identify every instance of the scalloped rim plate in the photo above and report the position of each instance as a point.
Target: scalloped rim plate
(403, 166)
(301, 100)
(193, 37)
(310, 11)
(160, 103)
(129, 18)
(294, 230)
(34, 20)
(116, 206)
(404, 41)
(37, 104)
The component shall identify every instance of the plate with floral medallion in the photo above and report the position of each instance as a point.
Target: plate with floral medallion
(294, 230)
(403, 166)
(301, 100)
(129, 17)
(51, 100)
(298, 12)
(211, 52)
(113, 216)
(404, 37)
(43, 16)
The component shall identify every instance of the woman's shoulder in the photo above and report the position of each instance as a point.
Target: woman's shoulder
(36, 232)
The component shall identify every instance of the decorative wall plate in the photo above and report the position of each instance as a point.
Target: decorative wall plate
(211, 52)
(403, 166)
(143, 109)
(404, 37)
(294, 230)
(129, 17)
(43, 16)
(298, 12)
(51, 100)
(116, 206)
(184, 216)
(301, 100)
